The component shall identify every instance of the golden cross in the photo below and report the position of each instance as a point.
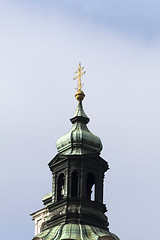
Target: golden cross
(79, 75)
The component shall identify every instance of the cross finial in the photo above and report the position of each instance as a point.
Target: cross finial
(79, 75)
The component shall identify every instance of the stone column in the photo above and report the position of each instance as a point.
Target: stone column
(66, 184)
(53, 188)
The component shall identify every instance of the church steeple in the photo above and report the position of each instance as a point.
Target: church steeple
(78, 173)
(76, 200)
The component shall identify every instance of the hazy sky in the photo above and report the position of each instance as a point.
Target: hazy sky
(41, 44)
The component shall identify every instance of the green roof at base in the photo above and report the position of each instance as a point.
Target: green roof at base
(76, 232)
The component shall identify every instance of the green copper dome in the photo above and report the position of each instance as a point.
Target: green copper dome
(79, 140)
(75, 232)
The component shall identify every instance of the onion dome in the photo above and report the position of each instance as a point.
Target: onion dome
(75, 231)
(79, 140)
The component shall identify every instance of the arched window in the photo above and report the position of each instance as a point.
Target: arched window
(74, 184)
(60, 187)
(91, 186)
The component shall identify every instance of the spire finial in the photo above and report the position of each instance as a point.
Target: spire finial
(79, 75)
(79, 94)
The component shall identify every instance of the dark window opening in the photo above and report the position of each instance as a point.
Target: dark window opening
(91, 186)
(74, 184)
(60, 187)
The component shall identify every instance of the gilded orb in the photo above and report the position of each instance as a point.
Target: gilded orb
(80, 95)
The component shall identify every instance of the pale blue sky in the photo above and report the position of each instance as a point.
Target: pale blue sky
(136, 18)
(41, 44)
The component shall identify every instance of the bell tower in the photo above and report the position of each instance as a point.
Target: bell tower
(76, 201)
